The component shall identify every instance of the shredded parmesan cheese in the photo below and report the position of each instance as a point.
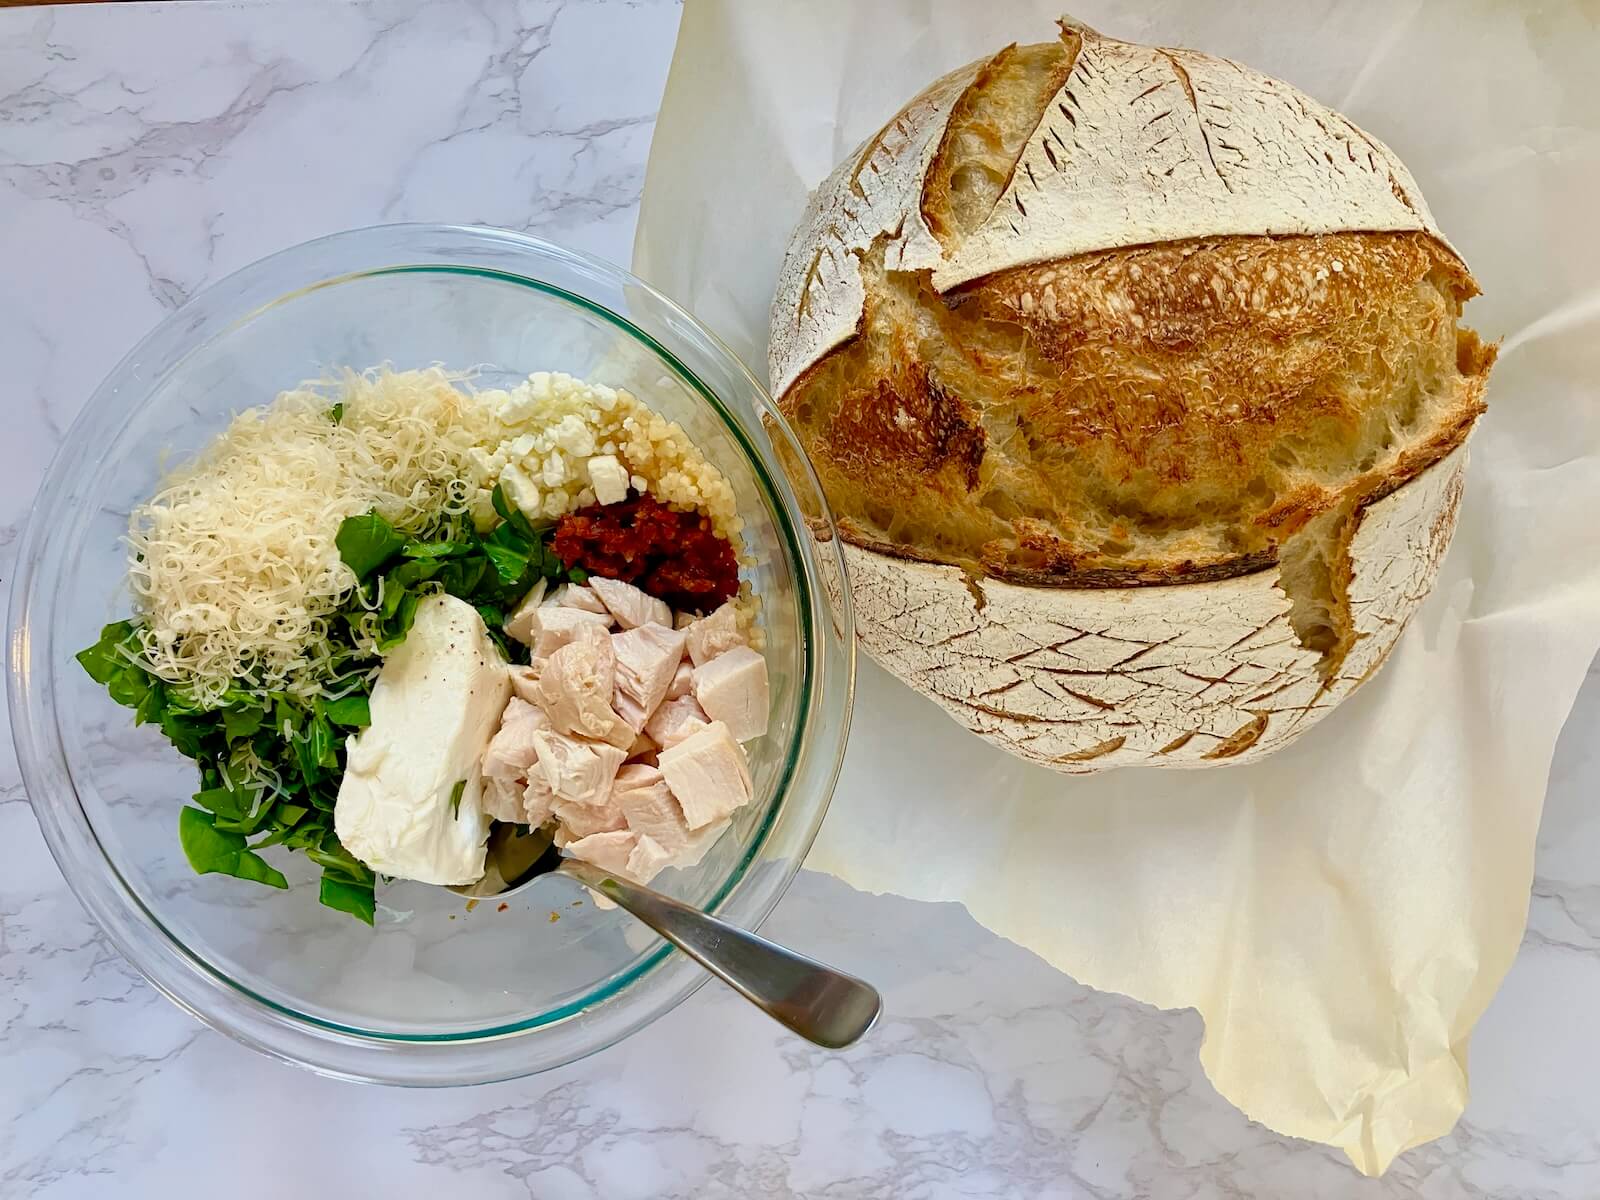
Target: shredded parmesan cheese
(234, 568)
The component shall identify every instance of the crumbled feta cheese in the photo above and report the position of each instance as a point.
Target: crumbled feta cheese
(521, 490)
(609, 478)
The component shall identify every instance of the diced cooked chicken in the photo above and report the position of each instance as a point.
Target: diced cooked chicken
(632, 774)
(538, 801)
(574, 769)
(699, 842)
(524, 681)
(628, 743)
(676, 720)
(579, 596)
(707, 774)
(732, 688)
(576, 685)
(502, 799)
(682, 681)
(629, 605)
(646, 860)
(646, 660)
(559, 625)
(581, 820)
(523, 625)
(715, 635)
(649, 808)
(609, 851)
(511, 750)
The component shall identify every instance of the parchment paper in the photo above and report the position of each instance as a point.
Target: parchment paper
(1341, 913)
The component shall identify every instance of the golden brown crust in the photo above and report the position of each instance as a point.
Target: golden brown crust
(907, 423)
(1164, 414)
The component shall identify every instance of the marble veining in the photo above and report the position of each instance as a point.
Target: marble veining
(148, 149)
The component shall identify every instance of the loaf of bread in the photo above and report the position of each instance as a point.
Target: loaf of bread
(1136, 381)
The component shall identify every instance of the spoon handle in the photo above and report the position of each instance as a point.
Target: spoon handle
(820, 1004)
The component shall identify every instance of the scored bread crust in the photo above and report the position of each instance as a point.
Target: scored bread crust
(1272, 270)
(1195, 675)
(1141, 177)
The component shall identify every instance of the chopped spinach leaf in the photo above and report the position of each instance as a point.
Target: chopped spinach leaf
(357, 899)
(410, 573)
(242, 722)
(353, 712)
(445, 548)
(397, 624)
(461, 576)
(510, 552)
(214, 851)
(367, 542)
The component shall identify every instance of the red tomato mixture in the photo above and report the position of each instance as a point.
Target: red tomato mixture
(673, 555)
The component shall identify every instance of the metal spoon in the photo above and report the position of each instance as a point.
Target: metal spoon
(822, 1005)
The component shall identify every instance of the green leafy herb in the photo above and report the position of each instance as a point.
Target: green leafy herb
(367, 542)
(224, 801)
(511, 554)
(334, 859)
(114, 662)
(352, 711)
(578, 575)
(104, 660)
(336, 413)
(241, 722)
(357, 899)
(213, 851)
(397, 624)
(313, 746)
(412, 572)
(462, 576)
(186, 733)
(455, 797)
(436, 549)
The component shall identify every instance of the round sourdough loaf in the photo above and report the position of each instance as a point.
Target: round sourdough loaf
(1136, 382)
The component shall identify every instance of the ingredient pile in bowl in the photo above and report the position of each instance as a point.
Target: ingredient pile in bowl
(386, 611)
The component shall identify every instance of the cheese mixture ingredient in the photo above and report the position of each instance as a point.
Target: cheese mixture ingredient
(408, 803)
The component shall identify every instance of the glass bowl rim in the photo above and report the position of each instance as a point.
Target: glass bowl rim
(213, 313)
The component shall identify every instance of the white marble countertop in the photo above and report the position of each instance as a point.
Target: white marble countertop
(148, 149)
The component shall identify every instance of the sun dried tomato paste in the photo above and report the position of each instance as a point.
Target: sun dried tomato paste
(672, 555)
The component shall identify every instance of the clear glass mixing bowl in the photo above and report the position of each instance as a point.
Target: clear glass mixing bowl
(434, 994)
